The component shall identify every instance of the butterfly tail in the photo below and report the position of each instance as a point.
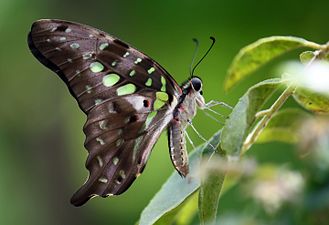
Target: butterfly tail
(81, 196)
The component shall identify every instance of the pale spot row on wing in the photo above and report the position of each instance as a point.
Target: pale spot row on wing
(103, 180)
(138, 60)
(103, 124)
(100, 161)
(115, 161)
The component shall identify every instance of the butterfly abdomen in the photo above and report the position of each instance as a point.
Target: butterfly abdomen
(177, 147)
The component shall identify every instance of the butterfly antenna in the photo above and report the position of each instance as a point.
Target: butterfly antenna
(194, 54)
(212, 44)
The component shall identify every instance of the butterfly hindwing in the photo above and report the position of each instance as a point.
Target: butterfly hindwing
(128, 99)
(119, 141)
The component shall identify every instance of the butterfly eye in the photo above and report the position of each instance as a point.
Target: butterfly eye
(201, 92)
(196, 83)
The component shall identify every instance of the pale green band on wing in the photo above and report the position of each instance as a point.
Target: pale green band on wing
(126, 89)
(163, 82)
(110, 79)
(96, 67)
(150, 118)
(161, 99)
(162, 96)
(158, 104)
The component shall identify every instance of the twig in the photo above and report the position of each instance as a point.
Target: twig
(268, 113)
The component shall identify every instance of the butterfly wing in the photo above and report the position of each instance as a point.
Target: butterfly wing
(128, 99)
(82, 56)
(119, 140)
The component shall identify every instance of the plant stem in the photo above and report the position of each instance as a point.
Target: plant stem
(252, 137)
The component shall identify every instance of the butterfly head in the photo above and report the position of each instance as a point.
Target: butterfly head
(193, 88)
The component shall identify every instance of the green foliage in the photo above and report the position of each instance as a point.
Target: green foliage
(284, 126)
(209, 192)
(243, 117)
(312, 101)
(257, 54)
(276, 190)
(176, 189)
(306, 56)
(41, 140)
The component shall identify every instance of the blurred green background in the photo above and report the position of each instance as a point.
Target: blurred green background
(41, 140)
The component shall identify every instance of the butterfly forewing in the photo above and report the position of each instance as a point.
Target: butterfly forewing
(90, 61)
(128, 99)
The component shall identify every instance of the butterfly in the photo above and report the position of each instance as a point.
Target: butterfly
(129, 100)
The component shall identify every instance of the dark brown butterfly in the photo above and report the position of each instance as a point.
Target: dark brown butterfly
(129, 100)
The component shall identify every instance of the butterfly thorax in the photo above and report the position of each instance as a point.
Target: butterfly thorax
(187, 108)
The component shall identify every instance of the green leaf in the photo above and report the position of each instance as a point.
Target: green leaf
(255, 55)
(176, 189)
(284, 126)
(312, 101)
(306, 56)
(209, 192)
(241, 119)
(183, 214)
(188, 211)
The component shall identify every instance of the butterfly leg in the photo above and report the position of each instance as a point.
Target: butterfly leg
(207, 106)
(213, 103)
(189, 139)
(200, 136)
(213, 118)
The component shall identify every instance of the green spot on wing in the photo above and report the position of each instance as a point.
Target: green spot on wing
(148, 82)
(74, 45)
(126, 89)
(114, 63)
(132, 73)
(110, 79)
(151, 70)
(98, 101)
(103, 46)
(162, 96)
(96, 67)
